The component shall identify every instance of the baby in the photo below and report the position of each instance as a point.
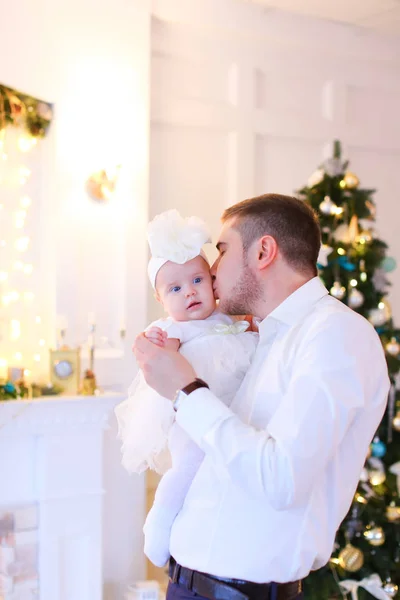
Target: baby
(219, 348)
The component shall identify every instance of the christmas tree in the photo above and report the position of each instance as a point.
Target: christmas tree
(353, 266)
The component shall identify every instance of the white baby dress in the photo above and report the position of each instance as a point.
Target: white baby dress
(220, 351)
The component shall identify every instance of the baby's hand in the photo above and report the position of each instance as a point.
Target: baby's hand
(157, 336)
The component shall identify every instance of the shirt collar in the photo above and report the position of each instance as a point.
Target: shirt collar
(295, 306)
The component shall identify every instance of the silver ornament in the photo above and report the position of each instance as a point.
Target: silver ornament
(327, 207)
(356, 298)
(337, 290)
(390, 589)
(341, 234)
(393, 347)
(375, 536)
(379, 316)
(333, 167)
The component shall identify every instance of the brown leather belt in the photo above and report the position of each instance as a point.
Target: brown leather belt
(218, 588)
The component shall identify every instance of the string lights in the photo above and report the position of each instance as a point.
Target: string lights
(23, 343)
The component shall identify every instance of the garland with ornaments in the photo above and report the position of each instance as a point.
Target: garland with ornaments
(24, 111)
(353, 265)
(23, 121)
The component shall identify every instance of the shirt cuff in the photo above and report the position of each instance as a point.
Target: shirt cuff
(201, 412)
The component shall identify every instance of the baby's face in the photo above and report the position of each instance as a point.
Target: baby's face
(185, 291)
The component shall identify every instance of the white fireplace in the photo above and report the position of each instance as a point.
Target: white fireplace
(52, 464)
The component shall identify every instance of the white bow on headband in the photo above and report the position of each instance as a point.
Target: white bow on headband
(173, 238)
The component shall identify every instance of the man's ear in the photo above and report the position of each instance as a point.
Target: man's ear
(267, 250)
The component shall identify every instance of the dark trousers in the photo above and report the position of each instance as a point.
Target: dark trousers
(178, 592)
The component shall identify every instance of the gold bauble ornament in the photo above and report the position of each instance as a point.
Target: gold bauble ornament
(390, 589)
(349, 181)
(360, 499)
(392, 512)
(396, 421)
(393, 347)
(375, 536)
(377, 477)
(351, 558)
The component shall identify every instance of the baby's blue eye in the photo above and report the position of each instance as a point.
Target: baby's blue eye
(197, 280)
(176, 288)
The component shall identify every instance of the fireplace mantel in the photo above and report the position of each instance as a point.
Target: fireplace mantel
(53, 414)
(52, 459)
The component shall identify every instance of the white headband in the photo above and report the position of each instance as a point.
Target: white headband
(173, 238)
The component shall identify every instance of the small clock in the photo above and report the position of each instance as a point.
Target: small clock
(65, 369)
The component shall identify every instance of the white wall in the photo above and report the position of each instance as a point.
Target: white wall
(91, 59)
(246, 101)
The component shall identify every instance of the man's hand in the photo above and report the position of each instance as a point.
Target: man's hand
(165, 370)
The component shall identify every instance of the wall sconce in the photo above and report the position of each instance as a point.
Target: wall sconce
(101, 185)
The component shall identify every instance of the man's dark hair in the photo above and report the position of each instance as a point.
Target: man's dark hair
(291, 222)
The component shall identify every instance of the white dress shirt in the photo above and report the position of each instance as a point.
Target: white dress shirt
(282, 463)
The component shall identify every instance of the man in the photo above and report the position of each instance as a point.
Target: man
(282, 464)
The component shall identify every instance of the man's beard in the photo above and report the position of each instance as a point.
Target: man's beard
(244, 295)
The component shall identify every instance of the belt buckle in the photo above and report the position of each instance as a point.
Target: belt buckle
(175, 573)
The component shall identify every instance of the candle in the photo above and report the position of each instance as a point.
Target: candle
(91, 318)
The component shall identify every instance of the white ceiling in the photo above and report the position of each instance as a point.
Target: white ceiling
(381, 15)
